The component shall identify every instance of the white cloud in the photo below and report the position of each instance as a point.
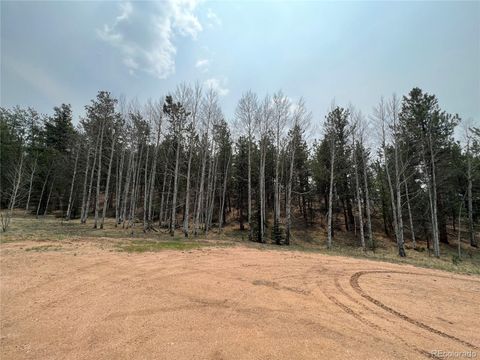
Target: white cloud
(144, 33)
(126, 11)
(202, 64)
(213, 18)
(220, 86)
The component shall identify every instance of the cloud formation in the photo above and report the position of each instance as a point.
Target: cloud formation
(213, 18)
(219, 85)
(145, 32)
(202, 64)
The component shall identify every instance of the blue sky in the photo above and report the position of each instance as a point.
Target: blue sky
(353, 52)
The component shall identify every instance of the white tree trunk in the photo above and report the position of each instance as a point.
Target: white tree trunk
(202, 185)
(359, 197)
(87, 204)
(367, 201)
(99, 177)
(222, 206)
(13, 199)
(249, 215)
(436, 242)
(263, 151)
(162, 196)
(48, 198)
(471, 232)
(288, 202)
(410, 218)
(70, 197)
(85, 182)
(400, 240)
(175, 190)
(186, 219)
(118, 188)
(41, 193)
(330, 194)
(107, 185)
(153, 176)
(129, 176)
(31, 184)
(145, 192)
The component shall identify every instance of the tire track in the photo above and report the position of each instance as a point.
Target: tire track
(365, 307)
(355, 285)
(367, 322)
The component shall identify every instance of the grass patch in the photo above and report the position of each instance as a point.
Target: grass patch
(141, 246)
(44, 248)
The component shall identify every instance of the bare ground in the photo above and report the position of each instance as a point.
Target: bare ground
(81, 302)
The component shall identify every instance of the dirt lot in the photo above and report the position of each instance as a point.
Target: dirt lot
(82, 302)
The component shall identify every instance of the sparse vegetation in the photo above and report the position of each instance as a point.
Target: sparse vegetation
(152, 246)
(44, 248)
(50, 229)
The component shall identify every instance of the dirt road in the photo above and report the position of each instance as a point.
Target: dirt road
(228, 303)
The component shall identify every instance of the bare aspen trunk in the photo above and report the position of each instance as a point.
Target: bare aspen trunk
(186, 220)
(459, 244)
(162, 198)
(471, 232)
(99, 177)
(167, 202)
(85, 181)
(107, 185)
(129, 177)
(209, 191)
(249, 215)
(288, 202)
(222, 206)
(392, 201)
(187, 191)
(276, 219)
(118, 188)
(410, 218)
(195, 197)
(130, 196)
(436, 242)
(359, 200)
(214, 188)
(151, 189)
(136, 188)
(70, 197)
(367, 202)
(201, 187)
(87, 204)
(175, 189)
(133, 191)
(31, 184)
(13, 199)
(153, 175)
(392, 192)
(41, 193)
(400, 240)
(262, 192)
(145, 192)
(401, 244)
(330, 194)
(48, 198)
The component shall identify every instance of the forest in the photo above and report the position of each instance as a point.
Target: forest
(178, 165)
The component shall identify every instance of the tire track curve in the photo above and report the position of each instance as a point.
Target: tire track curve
(356, 286)
(367, 322)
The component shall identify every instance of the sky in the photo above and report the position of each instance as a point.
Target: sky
(348, 52)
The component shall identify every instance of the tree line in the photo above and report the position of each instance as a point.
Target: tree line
(175, 164)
